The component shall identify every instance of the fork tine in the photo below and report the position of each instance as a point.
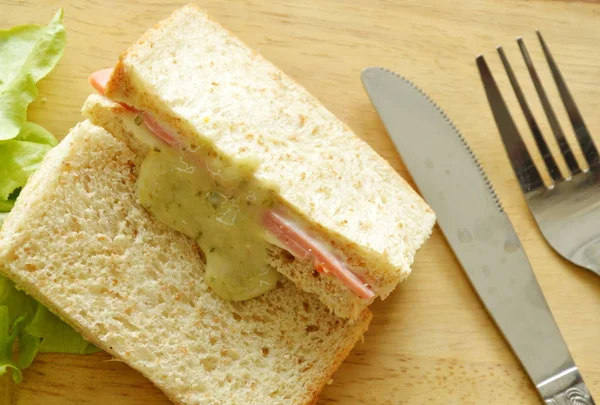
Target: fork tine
(583, 136)
(554, 124)
(535, 129)
(522, 164)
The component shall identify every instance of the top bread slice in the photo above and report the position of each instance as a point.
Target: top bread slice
(78, 241)
(343, 302)
(203, 82)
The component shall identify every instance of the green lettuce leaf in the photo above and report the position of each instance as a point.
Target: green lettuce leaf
(16, 309)
(18, 304)
(20, 157)
(56, 336)
(6, 205)
(28, 348)
(8, 336)
(28, 328)
(27, 54)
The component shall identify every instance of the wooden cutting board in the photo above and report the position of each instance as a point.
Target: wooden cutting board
(431, 341)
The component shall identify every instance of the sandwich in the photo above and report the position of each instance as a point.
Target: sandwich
(79, 242)
(212, 224)
(239, 157)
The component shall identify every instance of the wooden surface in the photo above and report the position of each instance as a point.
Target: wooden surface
(431, 342)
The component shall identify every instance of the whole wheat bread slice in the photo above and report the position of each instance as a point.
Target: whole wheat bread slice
(78, 241)
(205, 83)
(342, 301)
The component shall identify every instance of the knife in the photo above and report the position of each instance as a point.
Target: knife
(472, 219)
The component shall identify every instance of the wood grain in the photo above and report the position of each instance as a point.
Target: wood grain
(431, 341)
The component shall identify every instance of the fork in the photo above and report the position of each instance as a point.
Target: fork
(567, 210)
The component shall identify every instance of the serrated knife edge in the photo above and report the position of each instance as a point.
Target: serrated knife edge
(450, 122)
(478, 230)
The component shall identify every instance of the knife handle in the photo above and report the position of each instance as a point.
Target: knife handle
(565, 388)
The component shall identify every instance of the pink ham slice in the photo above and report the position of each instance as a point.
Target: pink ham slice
(100, 79)
(302, 246)
(160, 131)
(297, 242)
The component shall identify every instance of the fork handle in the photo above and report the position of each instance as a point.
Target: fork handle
(565, 388)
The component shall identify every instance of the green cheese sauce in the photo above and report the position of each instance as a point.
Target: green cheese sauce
(220, 209)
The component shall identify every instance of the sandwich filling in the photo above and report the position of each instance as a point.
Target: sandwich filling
(222, 220)
(232, 217)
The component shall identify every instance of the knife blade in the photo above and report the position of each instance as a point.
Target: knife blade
(479, 232)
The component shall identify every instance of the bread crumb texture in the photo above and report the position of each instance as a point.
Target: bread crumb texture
(247, 107)
(337, 297)
(78, 241)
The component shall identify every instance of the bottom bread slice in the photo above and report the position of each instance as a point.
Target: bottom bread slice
(78, 241)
